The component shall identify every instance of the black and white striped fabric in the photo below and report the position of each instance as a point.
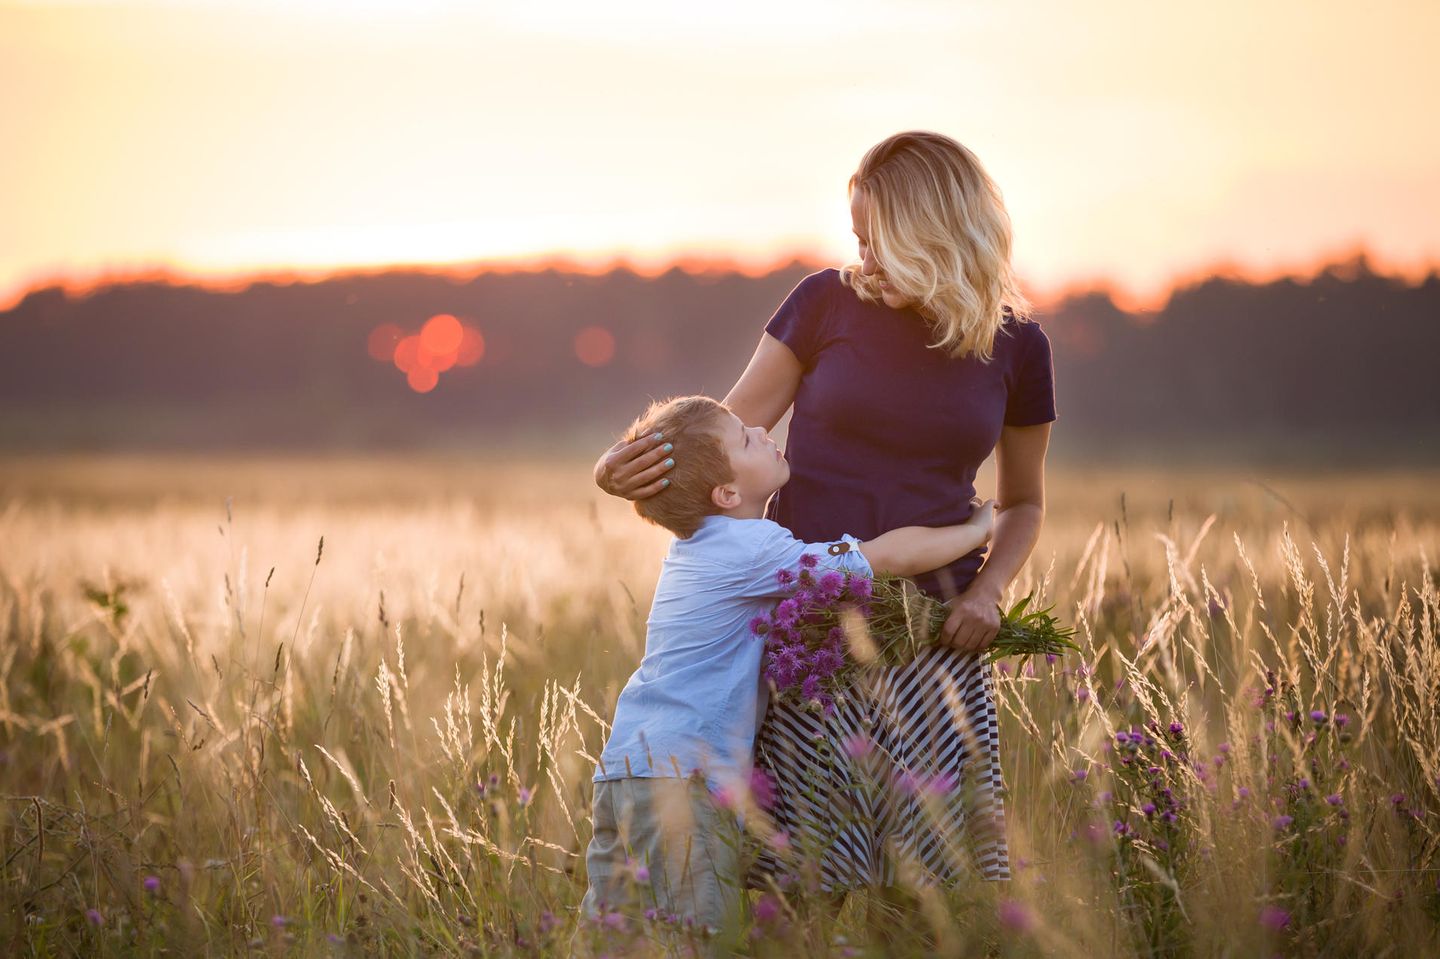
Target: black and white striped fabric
(901, 782)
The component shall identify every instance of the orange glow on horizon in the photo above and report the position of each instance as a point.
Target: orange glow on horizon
(1129, 297)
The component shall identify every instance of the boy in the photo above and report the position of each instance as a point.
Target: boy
(685, 722)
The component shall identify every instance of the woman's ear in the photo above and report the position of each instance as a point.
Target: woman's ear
(725, 497)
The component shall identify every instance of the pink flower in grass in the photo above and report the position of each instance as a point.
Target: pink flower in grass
(1015, 915)
(1273, 917)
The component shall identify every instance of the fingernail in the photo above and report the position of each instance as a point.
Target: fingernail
(669, 447)
(669, 463)
(665, 482)
(659, 436)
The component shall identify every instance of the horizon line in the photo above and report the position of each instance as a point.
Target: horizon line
(84, 284)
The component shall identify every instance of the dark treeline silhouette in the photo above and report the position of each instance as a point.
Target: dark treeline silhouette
(1336, 368)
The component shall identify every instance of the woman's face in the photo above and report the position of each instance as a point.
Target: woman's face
(859, 216)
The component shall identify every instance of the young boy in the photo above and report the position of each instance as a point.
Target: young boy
(685, 722)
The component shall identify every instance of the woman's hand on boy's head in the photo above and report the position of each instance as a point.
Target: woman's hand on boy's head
(636, 469)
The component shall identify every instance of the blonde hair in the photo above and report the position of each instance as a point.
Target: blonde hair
(939, 229)
(692, 424)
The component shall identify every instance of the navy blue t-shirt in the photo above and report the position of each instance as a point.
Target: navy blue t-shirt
(887, 432)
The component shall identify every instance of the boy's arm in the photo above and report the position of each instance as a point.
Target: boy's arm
(912, 550)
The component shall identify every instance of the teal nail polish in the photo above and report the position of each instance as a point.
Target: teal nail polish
(665, 482)
(669, 463)
(659, 436)
(669, 447)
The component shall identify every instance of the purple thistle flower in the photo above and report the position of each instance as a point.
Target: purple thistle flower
(1318, 716)
(1273, 917)
(832, 584)
(152, 884)
(767, 909)
(1079, 775)
(1280, 822)
(1122, 737)
(94, 916)
(784, 577)
(547, 922)
(1148, 809)
(810, 686)
(762, 790)
(1334, 799)
(860, 588)
(857, 746)
(1015, 915)
(279, 921)
(1341, 719)
(942, 783)
(808, 560)
(614, 920)
(524, 796)
(1176, 729)
(759, 625)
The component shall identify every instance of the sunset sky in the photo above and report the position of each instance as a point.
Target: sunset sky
(1136, 143)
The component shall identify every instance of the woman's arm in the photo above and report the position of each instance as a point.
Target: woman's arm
(1020, 475)
(767, 387)
(760, 397)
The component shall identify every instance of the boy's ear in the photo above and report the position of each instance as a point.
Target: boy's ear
(725, 497)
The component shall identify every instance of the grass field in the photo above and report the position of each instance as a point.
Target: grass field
(217, 737)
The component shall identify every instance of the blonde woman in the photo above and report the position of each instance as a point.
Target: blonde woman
(906, 370)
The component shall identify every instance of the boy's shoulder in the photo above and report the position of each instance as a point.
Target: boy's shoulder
(732, 541)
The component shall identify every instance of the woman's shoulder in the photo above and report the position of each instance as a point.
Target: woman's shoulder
(1021, 331)
(821, 283)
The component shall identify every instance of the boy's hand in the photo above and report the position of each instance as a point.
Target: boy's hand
(983, 516)
(635, 470)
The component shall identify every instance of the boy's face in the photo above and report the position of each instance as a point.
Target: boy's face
(759, 467)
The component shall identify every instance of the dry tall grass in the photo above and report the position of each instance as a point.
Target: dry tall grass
(216, 737)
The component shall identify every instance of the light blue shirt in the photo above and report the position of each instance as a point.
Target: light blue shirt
(697, 698)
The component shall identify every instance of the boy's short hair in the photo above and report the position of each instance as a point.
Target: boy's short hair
(692, 424)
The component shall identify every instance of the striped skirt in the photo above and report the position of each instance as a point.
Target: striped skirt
(902, 782)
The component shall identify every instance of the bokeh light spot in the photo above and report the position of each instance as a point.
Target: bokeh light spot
(407, 354)
(594, 346)
(441, 334)
(382, 340)
(472, 347)
(422, 379)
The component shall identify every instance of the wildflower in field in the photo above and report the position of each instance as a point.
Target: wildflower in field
(762, 790)
(780, 840)
(642, 873)
(1015, 915)
(279, 921)
(1318, 716)
(1334, 799)
(941, 783)
(524, 796)
(1281, 821)
(613, 920)
(1176, 729)
(767, 909)
(152, 884)
(1079, 775)
(1341, 719)
(94, 916)
(547, 922)
(857, 746)
(1273, 917)
(1082, 694)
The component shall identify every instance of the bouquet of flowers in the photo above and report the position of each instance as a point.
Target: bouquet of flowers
(832, 626)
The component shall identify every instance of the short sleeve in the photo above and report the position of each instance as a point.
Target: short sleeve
(799, 321)
(783, 551)
(1031, 397)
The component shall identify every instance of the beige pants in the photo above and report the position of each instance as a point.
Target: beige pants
(662, 844)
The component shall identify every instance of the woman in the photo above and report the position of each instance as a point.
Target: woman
(905, 370)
